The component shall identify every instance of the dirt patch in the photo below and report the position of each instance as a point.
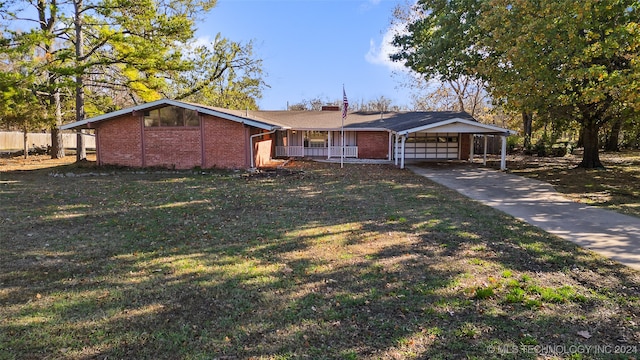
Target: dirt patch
(39, 162)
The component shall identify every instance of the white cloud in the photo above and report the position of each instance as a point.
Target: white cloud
(200, 41)
(378, 54)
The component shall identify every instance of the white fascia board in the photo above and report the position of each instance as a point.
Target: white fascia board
(334, 129)
(482, 128)
(122, 112)
(167, 102)
(242, 120)
(367, 129)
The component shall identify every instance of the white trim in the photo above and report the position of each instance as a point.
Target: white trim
(396, 149)
(389, 156)
(328, 144)
(482, 128)
(404, 140)
(346, 128)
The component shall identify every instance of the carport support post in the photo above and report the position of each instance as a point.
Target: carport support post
(471, 148)
(395, 150)
(404, 138)
(484, 159)
(503, 153)
(390, 145)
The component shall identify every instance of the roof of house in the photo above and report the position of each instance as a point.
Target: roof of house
(401, 123)
(88, 123)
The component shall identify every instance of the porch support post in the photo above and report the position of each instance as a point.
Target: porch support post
(404, 138)
(503, 153)
(484, 158)
(471, 148)
(390, 145)
(395, 150)
(329, 144)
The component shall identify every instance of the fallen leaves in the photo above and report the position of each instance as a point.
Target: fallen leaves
(585, 334)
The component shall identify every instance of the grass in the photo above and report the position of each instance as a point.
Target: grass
(615, 188)
(365, 262)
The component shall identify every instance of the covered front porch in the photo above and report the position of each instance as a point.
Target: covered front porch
(316, 144)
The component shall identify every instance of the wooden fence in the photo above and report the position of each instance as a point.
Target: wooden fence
(14, 140)
(494, 144)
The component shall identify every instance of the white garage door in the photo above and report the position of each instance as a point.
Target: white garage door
(432, 146)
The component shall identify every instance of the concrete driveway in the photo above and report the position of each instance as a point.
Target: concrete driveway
(608, 233)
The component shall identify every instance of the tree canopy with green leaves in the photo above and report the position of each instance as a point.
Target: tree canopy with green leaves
(568, 60)
(20, 107)
(96, 49)
(564, 60)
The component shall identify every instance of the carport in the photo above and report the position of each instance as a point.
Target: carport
(444, 139)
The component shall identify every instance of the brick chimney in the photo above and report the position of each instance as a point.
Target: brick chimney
(330, 108)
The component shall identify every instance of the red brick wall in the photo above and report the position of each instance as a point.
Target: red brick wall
(263, 151)
(178, 147)
(373, 144)
(225, 143)
(119, 141)
(465, 146)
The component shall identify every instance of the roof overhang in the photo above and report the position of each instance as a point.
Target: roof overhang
(346, 128)
(458, 125)
(88, 123)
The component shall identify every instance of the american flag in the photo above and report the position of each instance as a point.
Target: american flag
(345, 103)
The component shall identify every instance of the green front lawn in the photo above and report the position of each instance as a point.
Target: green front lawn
(314, 262)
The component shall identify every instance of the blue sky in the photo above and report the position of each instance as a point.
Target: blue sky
(310, 48)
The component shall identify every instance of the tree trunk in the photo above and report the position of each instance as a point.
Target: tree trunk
(527, 122)
(580, 138)
(25, 142)
(591, 155)
(57, 142)
(614, 136)
(47, 25)
(81, 152)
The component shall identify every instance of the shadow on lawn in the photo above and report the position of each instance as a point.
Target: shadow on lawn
(363, 263)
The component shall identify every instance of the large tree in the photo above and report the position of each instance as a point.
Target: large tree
(20, 107)
(568, 60)
(98, 47)
(438, 44)
(35, 35)
(223, 73)
(561, 59)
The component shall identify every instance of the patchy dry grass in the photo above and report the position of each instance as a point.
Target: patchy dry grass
(615, 188)
(314, 262)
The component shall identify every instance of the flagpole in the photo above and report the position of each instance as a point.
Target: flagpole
(345, 106)
(342, 144)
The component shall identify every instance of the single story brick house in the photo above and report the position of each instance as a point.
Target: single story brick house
(174, 134)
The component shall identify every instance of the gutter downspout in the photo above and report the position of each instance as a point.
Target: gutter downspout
(251, 143)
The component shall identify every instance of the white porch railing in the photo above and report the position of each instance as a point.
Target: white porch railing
(289, 151)
(315, 152)
(349, 151)
(301, 151)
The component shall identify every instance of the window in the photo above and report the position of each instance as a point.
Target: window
(171, 116)
(315, 139)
